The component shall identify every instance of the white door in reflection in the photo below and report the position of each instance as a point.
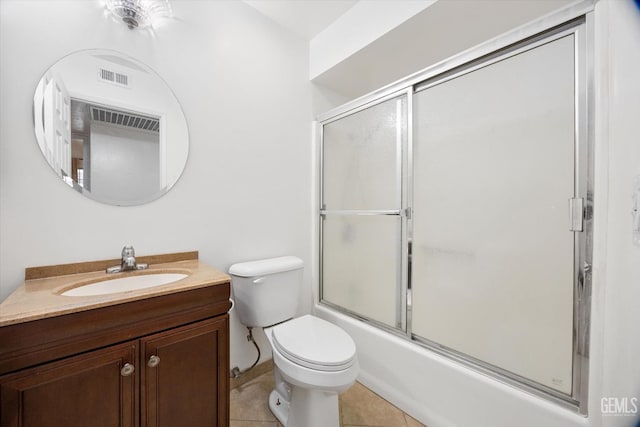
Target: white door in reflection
(56, 129)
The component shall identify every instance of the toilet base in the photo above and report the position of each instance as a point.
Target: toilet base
(308, 408)
(279, 407)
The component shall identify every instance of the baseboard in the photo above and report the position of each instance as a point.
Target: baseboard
(255, 372)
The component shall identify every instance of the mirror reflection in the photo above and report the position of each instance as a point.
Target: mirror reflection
(110, 127)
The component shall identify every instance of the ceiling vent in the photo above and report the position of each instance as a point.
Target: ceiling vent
(109, 76)
(124, 119)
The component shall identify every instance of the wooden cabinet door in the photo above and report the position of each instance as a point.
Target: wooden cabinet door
(184, 376)
(84, 390)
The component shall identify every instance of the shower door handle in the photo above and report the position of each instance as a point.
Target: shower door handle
(363, 212)
(576, 214)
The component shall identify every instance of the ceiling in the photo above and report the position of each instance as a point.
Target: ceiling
(303, 17)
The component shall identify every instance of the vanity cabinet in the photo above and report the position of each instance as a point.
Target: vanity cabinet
(160, 361)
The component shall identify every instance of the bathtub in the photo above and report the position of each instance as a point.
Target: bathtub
(438, 391)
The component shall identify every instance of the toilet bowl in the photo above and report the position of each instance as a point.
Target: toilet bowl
(314, 359)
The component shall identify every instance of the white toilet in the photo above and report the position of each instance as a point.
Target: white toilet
(314, 359)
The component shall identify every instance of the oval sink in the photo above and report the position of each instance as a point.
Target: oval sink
(124, 284)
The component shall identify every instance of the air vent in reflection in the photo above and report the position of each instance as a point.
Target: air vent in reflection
(113, 77)
(123, 118)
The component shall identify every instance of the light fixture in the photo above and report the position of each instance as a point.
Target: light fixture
(139, 13)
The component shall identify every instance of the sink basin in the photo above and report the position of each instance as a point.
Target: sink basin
(124, 284)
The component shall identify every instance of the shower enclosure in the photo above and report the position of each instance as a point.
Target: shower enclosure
(455, 211)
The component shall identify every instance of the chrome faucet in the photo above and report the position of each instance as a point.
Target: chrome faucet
(128, 262)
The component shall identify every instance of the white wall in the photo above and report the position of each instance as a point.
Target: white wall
(372, 19)
(435, 32)
(618, 290)
(243, 84)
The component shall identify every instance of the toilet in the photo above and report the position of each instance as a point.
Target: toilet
(314, 359)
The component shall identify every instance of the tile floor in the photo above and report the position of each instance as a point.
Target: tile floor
(359, 406)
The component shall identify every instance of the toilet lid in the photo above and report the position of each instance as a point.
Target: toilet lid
(314, 343)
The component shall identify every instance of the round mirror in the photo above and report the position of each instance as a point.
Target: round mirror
(110, 127)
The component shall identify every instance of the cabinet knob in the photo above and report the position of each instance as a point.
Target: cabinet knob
(153, 361)
(127, 370)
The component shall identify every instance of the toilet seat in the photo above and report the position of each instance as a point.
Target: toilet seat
(315, 344)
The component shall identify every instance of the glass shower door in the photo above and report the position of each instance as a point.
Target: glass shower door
(493, 255)
(363, 258)
(458, 211)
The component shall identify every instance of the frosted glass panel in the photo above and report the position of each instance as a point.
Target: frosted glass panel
(361, 264)
(492, 253)
(362, 155)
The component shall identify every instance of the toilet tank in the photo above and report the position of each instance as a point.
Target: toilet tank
(266, 291)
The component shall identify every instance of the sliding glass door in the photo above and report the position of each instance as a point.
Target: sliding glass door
(456, 212)
(492, 252)
(362, 221)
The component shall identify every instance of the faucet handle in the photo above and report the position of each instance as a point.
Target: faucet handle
(128, 251)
